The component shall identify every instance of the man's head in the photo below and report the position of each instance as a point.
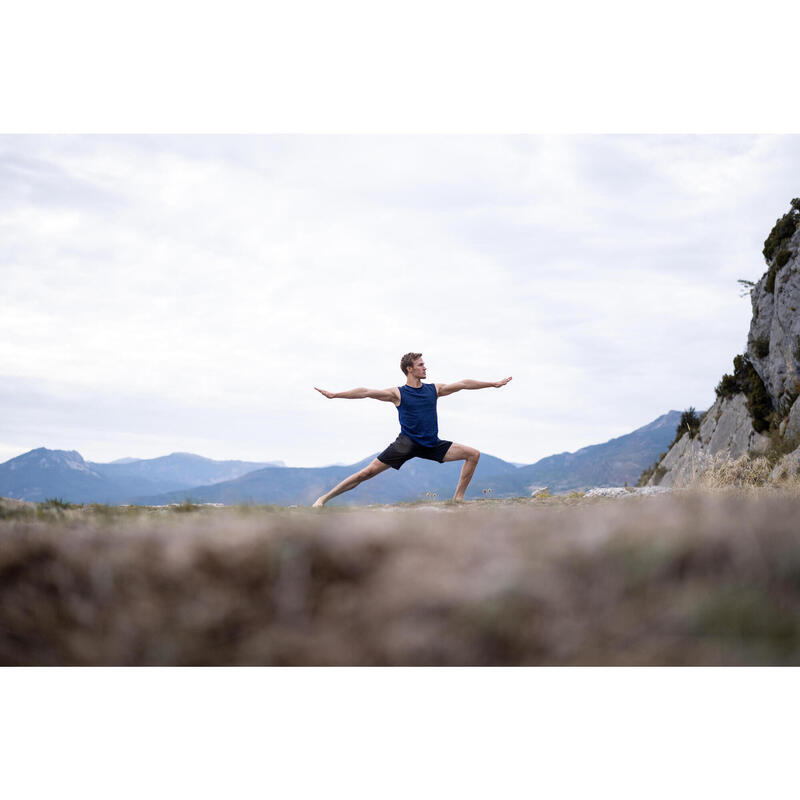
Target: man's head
(412, 365)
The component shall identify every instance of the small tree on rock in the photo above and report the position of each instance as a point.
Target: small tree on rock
(690, 423)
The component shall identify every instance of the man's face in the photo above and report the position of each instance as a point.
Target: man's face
(418, 370)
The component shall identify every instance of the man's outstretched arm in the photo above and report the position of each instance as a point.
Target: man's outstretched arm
(360, 393)
(443, 389)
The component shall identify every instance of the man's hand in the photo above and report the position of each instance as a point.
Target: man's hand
(502, 383)
(329, 395)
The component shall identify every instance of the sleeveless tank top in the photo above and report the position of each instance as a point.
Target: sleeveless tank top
(417, 412)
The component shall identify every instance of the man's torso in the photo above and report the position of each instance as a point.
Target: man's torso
(417, 413)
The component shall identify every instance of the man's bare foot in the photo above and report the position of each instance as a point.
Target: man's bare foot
(320, 501)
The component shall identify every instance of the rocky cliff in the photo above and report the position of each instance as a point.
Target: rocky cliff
(757, 411)
(773, 343)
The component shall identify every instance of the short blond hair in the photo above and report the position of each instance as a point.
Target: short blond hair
(408, 361)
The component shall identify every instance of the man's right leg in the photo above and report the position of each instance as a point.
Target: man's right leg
(370, 471)
(470, 456)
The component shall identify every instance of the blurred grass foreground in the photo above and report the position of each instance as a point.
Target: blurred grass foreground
(696, 577)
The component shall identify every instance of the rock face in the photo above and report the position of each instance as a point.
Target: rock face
(773, 349)
(773, 343)
(788, 467)
(792, 428)
(726, 427)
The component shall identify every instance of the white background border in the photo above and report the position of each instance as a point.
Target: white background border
(433, 67)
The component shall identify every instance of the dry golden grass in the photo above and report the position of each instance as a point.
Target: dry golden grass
(697, 577)
(747, 474)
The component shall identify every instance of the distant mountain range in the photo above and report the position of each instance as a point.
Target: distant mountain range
(616, 462)
(42, 473)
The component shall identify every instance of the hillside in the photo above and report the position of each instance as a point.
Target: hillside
(613, 463)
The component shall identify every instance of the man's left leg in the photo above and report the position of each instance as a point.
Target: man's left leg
(470, 456)
(370, 471)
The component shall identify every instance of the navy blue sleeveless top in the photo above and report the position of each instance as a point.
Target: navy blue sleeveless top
(417, 411)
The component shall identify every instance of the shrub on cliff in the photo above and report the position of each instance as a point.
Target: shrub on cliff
(727, 387)
(746, 380)
(782, 230)
(769, 284)
(758, 401)
(761, 347)
(690, 423)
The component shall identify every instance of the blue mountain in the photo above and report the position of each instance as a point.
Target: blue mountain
(42, 473)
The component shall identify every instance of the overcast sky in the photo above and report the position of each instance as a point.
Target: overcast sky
(183, 293)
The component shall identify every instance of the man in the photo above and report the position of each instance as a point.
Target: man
(419, 427)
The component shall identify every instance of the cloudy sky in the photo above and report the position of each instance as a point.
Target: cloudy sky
(185, 293)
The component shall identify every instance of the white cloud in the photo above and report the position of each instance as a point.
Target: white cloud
(223, 277)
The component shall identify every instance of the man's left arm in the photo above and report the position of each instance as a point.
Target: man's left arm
(443, 389)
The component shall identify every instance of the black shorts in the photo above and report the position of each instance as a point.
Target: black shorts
(403, 448)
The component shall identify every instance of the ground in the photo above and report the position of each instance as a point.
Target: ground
(694, 577)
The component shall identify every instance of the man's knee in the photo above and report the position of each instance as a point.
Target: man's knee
(462, 452)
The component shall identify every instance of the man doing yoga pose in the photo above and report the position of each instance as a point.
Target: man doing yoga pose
(419, 427)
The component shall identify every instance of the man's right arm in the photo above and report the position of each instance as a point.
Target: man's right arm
(390, 395)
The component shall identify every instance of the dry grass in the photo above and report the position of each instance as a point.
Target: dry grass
(722, 472)
(747, 474)
(696, 577)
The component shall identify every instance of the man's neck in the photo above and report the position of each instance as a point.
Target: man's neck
(414, 383)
